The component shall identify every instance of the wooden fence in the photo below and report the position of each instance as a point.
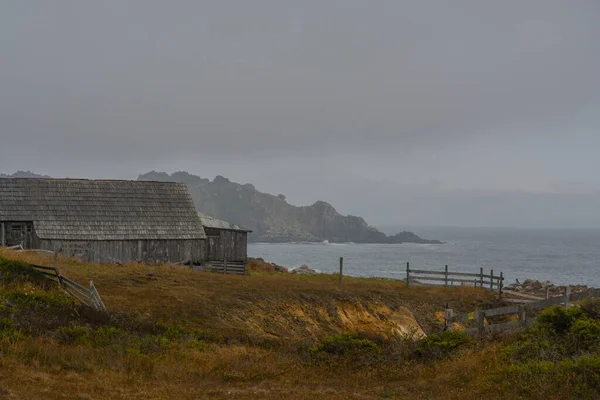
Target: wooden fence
(480, 316)
(448, 278)
(224, 267)
(88, 296)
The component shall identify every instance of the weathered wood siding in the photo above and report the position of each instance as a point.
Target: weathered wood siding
(226, 245)
(147, 251)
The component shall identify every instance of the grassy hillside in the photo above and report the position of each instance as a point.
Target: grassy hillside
(180, 334)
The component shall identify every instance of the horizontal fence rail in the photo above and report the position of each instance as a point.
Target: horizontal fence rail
(449, 278)
(224, 267)
(88, 296)
(480, 316)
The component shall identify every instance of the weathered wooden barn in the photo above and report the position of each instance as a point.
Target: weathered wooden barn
(225, 242)
(101, 220)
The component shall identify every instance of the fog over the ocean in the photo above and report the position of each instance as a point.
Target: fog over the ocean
(417, 112)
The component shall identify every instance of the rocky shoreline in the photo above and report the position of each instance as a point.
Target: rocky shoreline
(535, 287)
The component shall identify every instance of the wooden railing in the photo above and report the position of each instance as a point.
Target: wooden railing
(480, 316)
(448, 278)
(224, 267)
(88, 296)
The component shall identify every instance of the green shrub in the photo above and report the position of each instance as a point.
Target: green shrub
(50, 299)
(528, 377)
(195, 344)
(584, 373)
(440, 345)
(206, 335)
(584, 335)
(535, 346)
(104, 337)
(74, 335)
(18, 271)
(174, 333)
(345, 343)
(579, 377)
(558, 319)
(591, 308)
(6, 323)
(154, 344)
(10, 335)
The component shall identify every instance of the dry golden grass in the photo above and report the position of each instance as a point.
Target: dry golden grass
(224, 302)
(264, 354)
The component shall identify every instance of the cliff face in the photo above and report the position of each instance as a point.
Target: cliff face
(272, 219)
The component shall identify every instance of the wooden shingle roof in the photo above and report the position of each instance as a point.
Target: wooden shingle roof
(78, 209)
(208, 221)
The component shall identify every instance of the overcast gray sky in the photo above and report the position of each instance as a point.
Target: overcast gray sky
(401, 111)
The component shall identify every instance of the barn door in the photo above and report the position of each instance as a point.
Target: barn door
(19, 233)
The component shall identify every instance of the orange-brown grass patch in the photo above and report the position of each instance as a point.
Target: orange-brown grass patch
(226, 303)
(253, 335)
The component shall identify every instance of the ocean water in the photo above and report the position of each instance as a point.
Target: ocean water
(561, 256)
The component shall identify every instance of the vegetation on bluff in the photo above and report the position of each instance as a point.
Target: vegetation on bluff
(178, 333)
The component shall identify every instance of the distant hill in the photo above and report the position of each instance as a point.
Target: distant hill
(272, 219)
(23, 174)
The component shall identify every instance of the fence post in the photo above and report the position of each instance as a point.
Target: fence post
(341, 270)
(522, 315)
(225, 265)
(481, 277)
(568, 296)
(480, 321)
(500, 285)
(448, 319)
(446, 276)
(91, 296)
(407, 273)
(547, 292)
(492, 279)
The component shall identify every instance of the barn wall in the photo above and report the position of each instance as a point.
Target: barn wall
(14, 233)
(226, 244)
(111, 251)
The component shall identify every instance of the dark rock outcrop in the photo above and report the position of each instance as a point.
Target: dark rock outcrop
(272, 219)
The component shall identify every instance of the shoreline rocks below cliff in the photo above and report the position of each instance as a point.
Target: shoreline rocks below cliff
(535, 287)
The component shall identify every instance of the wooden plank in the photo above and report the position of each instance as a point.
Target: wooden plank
(481, 277)
(502, 327)
(480, 321)
(73, 283)
(2, 235)
(420, 271)
(526, 296)
(501, 311)
(341, 270)
(446, 275)
(464, 317)
(552, 301)
(76, 292)
(585, 295)
(517, 301)
(425, 278)
(522, 315)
